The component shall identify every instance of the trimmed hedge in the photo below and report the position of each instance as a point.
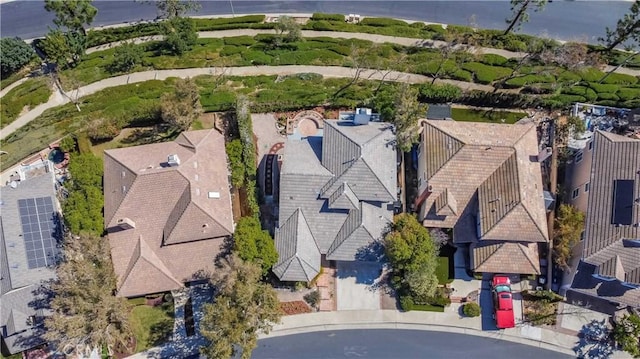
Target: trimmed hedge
(382, 22)
(627, 94)
(330, 17)
(486, 74)
(620, 79)
(239, 40)
(529, 79)
(493, 60)
(603, 87)
(608, 96)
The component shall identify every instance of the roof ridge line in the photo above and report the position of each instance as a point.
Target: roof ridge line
(212, 218)
(532, 220)
(377, 178)
(308, 227)
(520, 245)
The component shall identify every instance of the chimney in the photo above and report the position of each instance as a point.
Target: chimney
(173, 161)
(126, 223)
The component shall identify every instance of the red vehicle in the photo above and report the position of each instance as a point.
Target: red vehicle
(502, 302)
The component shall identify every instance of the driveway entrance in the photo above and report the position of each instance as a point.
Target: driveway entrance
(356, 285)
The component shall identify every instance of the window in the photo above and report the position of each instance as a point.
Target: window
(579, 157)
(575, 194)
(586, 187)
(604, 278)
(590, 145)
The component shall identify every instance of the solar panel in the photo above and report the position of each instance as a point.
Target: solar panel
(39, 231)
(623, 202)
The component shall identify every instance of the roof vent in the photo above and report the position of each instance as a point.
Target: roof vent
(126, 223)
(173, 161)
(214, 195)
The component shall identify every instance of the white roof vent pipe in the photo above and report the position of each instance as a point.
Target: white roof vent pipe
(173, 161)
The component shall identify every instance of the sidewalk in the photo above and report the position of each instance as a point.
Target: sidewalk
(57, 99)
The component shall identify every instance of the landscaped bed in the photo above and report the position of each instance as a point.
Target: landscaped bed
(23, 98)
(295, 307)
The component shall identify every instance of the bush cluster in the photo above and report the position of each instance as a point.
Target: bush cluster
(331, 17)
(471, 309)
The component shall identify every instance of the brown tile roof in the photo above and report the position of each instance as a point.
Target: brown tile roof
(180, 213)
(491, 166)
(505, 257)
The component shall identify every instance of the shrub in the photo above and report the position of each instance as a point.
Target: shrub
(568, 76)
(586, 92)
(626, 93)
(439, 93)
(321, 26)
(220, 23)
(330, 17)
(231, 50)
(529, 79)
(620, 79)
(68, 144)
(486, 74)
(471, 309)
(493, 59)
(256, 57)
(239, 40)
(597, 87)
(102, 129)
(382, 22)
(313, 298)
(590, 74)
(563, 100)
(439, 301)
(406, 303)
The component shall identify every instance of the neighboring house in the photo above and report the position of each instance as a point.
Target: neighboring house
(484, 181)
(336, 196)
(578, 177)
(30, 236)
(167, 210)
(610, 264)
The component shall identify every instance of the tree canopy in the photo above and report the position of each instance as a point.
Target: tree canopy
(180, 35)
(519, 13)
(85, 311)
(626, 333)
(74, 15)
(288, 29)
(627, 30)
(412, 255)
(170, 9)
(182, 106)
(15, 55)
(242, 308)
(253, 244)
(568, 228)
(126, 57)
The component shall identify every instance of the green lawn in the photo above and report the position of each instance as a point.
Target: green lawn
(427, 308)
(472, 115)
(151, 325)
(443, 271)
(23, 98)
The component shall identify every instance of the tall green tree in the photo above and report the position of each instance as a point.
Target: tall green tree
(180, 35)
(287, 29)
(568, 228)
(126, 57)
(170, 9)
(253, 244)
(407, 111)
(413, 258)
(238, 172)
(243, 308)
(520, 14)
(627, 30)
(182, 106)
(75, 15)
(85, 311)
(626, 332)
(15, 54)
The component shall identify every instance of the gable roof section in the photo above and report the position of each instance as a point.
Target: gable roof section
(339, 151)
(352, 237)
(439, 148)
(343, 197)
(505, 257)
(363, 182)
(145, 264)
(614, 158)
(299, 256)
(445, 204)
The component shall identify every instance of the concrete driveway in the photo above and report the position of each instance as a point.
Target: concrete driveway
(356, 285)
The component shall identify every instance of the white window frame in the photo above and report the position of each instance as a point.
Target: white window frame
(576, 193)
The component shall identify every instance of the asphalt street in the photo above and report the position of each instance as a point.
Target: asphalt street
(397, 343)
(567, 20)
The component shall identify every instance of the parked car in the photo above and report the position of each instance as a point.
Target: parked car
(502, 302)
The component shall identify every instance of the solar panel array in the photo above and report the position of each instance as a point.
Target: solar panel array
(39, 230)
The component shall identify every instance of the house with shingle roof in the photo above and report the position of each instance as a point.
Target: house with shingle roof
(30, 235)
(336, 195)
(167, 211)
(484, 182)
(609, 269)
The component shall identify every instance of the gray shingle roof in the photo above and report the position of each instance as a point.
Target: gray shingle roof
(18, 283)
(611, 250)
(299, 255)
(341, 190)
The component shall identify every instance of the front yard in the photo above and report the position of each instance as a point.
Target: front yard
(151, 325)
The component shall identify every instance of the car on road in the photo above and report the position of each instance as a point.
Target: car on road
(502, 302)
